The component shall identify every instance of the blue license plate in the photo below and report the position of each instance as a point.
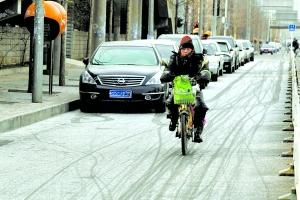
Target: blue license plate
(121, 94)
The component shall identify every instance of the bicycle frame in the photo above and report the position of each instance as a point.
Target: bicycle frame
(185, 127)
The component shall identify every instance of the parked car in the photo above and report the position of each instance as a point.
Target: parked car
(195, 39)
(123, 72)
(163, 47)
(229, 64)
(266, 48)
(232, 47)
(249, 50)
(242, 52)
(216, 60)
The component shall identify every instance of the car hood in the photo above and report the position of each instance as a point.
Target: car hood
(137, 70)
(213, 58)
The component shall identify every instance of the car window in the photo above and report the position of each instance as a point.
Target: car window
(223, 47)
(210, 49)
(230, 40)
(125, 55)
(266, 46)
(165, 51)
(246, 44)
(197, 46)
(175, 39)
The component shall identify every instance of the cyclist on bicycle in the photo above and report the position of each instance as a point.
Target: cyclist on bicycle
(187, 62)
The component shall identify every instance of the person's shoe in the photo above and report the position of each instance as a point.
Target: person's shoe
(197, 134)
(172, 126)
(197, 138)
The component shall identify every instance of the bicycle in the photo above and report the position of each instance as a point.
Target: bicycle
(184, 96)
(185, 127)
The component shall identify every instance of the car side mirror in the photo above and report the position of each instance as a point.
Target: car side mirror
(86, 61)
(231, 50)
(204, 51)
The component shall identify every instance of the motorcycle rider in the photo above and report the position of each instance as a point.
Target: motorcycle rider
(187, 62)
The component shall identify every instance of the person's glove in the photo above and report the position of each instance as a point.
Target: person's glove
(167, 77)
(203, 78)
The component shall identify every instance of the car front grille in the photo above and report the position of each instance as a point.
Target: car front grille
(121, 80)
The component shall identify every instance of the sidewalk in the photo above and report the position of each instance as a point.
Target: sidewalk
(16, 105)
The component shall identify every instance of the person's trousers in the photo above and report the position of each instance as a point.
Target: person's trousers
(200, 109)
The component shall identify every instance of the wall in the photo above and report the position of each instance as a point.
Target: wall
(14, 45)
(15, 41)
(79, 44)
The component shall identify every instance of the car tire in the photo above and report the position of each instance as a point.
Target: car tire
(85, 106)
(221, 72)
(214, 77)
(252, 59)
(229, 70)
(160, 108)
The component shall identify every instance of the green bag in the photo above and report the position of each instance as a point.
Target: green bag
(183, 92)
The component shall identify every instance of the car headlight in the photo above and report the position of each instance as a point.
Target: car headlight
(87, 78)
(155, 79)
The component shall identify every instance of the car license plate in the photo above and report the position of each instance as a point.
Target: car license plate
(121, 94)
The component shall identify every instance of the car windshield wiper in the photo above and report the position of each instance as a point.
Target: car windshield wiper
(125, 64)
(98, 62)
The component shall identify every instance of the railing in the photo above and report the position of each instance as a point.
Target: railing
(296, 123)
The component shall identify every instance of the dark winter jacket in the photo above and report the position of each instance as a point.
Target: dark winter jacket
(190, 65)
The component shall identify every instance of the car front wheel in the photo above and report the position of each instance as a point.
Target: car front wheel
(160, 108)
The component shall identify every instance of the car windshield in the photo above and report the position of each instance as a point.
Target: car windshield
(210, 49)
(125, 55)
(223, 47)
(165, 51)
(246, 44)
(230, 40)
(196, 44)
(266, 46)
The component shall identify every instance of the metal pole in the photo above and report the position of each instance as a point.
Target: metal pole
(201, 20)
(98, 24)
(186, 10)
(111, 20)
(37, 93)
(176, 16)
(214, 19)
(151, 20)
(226, 16)
(62, 81)
(248, 33)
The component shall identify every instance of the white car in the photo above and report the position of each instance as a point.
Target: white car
(242, 52)
(164, 47)
(228, 55)
(215, 58)
(249, 50)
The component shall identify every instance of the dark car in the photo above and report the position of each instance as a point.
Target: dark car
(123, 72)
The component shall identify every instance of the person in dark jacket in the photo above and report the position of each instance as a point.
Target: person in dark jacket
(186, 62)
(295, 45)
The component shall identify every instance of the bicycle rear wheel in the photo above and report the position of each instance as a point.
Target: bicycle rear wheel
(183, 128)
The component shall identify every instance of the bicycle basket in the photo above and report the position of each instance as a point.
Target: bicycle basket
(183, 92)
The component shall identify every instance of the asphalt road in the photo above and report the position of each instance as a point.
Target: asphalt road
(132, 155)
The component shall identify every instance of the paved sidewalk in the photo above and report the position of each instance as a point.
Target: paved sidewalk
(16, 105)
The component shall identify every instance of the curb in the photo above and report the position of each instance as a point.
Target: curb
(36, 116)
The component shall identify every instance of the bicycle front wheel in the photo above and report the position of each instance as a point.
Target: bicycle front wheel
(183, 128)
